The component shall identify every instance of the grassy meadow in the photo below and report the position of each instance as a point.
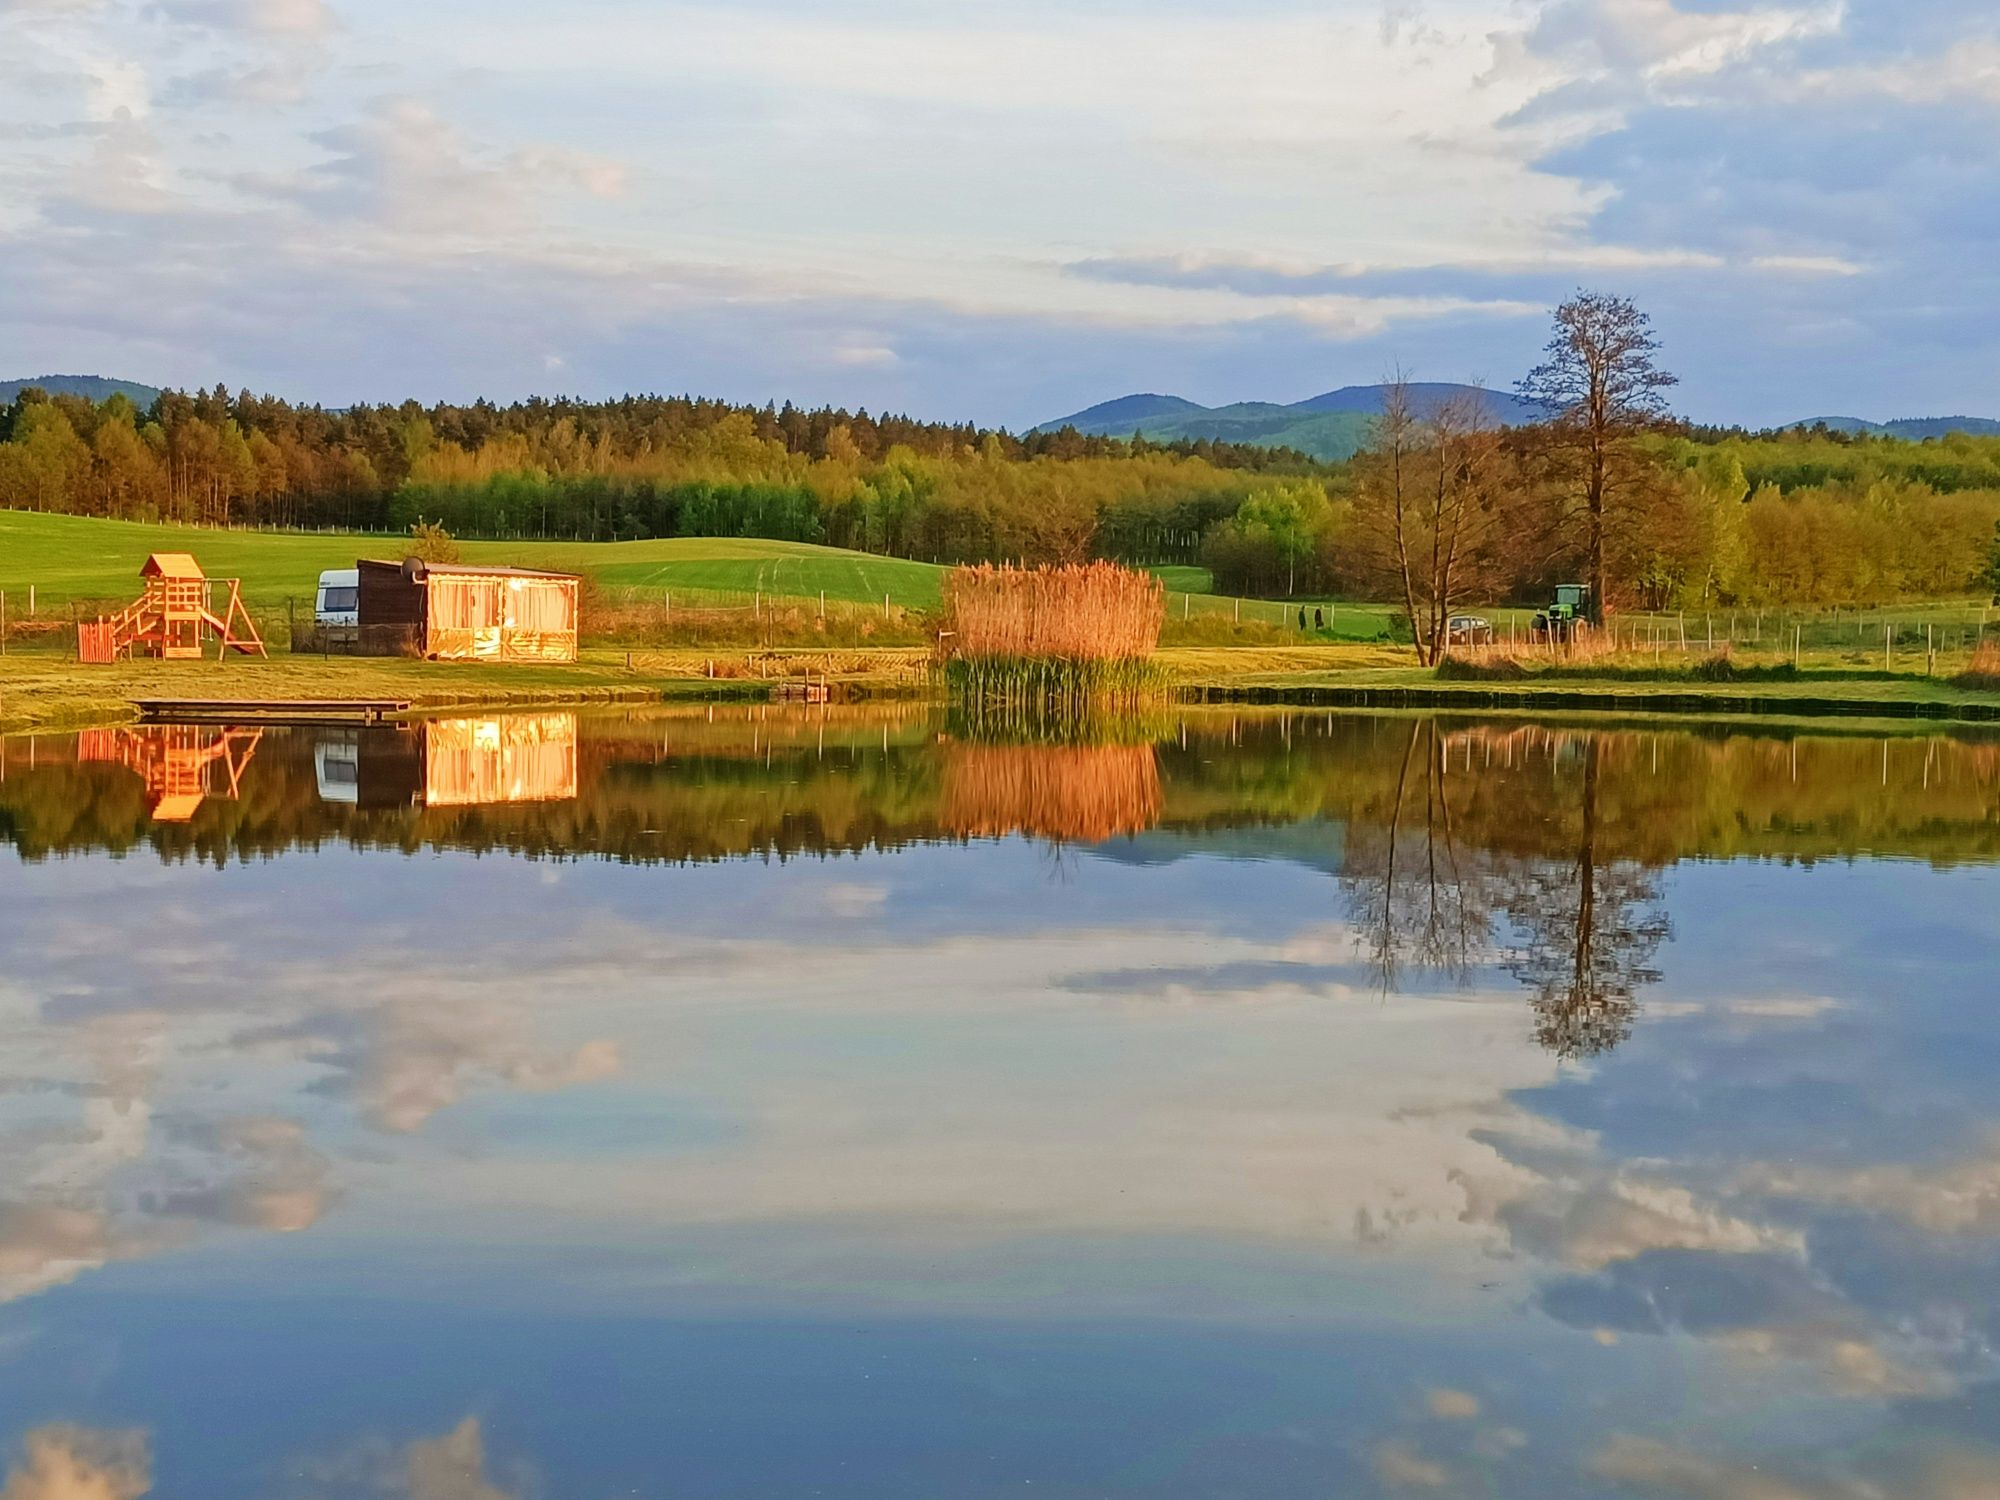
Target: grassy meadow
(640, 587)
(78, 559)
(1908, 656)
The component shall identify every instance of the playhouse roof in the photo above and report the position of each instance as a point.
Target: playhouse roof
(172, 565)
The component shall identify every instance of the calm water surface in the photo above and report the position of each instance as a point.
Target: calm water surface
(765, 1102)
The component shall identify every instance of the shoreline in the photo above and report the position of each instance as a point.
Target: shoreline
(45, 693)
(1595, 696)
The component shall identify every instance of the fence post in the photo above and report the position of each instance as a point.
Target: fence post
(1798, 644)
(3, 622)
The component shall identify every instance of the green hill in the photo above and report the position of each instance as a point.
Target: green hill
(90, 387)
(70, 558)
(1913, 429)
(1332, 426)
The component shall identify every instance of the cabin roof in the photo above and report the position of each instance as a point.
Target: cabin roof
(172, 565)
(474, 570)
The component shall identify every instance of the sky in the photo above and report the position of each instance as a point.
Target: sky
(999, 212)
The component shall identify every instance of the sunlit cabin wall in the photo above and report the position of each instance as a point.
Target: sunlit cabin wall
(501, 618)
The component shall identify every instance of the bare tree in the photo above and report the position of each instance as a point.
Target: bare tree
(1601, 384)
(1427, 509)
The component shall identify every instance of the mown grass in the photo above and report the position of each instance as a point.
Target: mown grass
(1610, 685)
(42, 691)
(81, 560)
(74, 558)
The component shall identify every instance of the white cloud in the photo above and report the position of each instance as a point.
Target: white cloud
(1957, 1197)
(1937, 1470)
(272, 18)
(1658, 40)
(452, 1467)
(1452, 1406)
(79, 1463)
(1401, 1466)
(404, 168)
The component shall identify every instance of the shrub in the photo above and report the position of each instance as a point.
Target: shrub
(432, 543)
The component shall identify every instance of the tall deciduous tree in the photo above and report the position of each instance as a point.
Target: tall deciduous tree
(1602, 385)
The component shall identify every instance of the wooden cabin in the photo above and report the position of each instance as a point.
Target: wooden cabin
(462, 612)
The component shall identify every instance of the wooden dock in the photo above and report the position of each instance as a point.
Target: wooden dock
(346, 711)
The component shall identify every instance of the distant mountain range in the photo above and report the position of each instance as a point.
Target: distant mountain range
(93, 387)
(1335, 426)
(1332, 426)
(1914, 428)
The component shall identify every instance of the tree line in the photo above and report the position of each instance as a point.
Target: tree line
(636, 467)
(1443, 509)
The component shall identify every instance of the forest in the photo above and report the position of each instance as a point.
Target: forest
(1441, 510)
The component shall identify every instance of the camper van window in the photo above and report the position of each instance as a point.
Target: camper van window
(333, 599)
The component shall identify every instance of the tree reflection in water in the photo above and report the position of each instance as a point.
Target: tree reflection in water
(1587, 930)
(1420, 897)
(1584, 927)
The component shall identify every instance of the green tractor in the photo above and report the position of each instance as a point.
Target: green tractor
(1558, 620)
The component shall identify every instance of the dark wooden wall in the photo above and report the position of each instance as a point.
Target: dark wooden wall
(388, 597)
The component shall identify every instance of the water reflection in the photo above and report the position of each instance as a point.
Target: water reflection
(1420, 803)
(1281, 1148)
(181, 765)
(1431, 888)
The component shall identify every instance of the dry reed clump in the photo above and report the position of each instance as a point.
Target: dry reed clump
(1085, 793)
(1091, 612)
(1984, 673)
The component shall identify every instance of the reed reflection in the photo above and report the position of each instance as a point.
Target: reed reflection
(1070, 793)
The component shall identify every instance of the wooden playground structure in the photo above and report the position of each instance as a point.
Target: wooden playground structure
(170, 619)
(182, 764)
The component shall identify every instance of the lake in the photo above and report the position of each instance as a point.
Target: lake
(771, 1101)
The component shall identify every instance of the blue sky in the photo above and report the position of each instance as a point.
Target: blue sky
(998, 213)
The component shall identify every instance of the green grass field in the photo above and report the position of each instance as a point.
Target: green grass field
(66, 558)
(74, 559)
